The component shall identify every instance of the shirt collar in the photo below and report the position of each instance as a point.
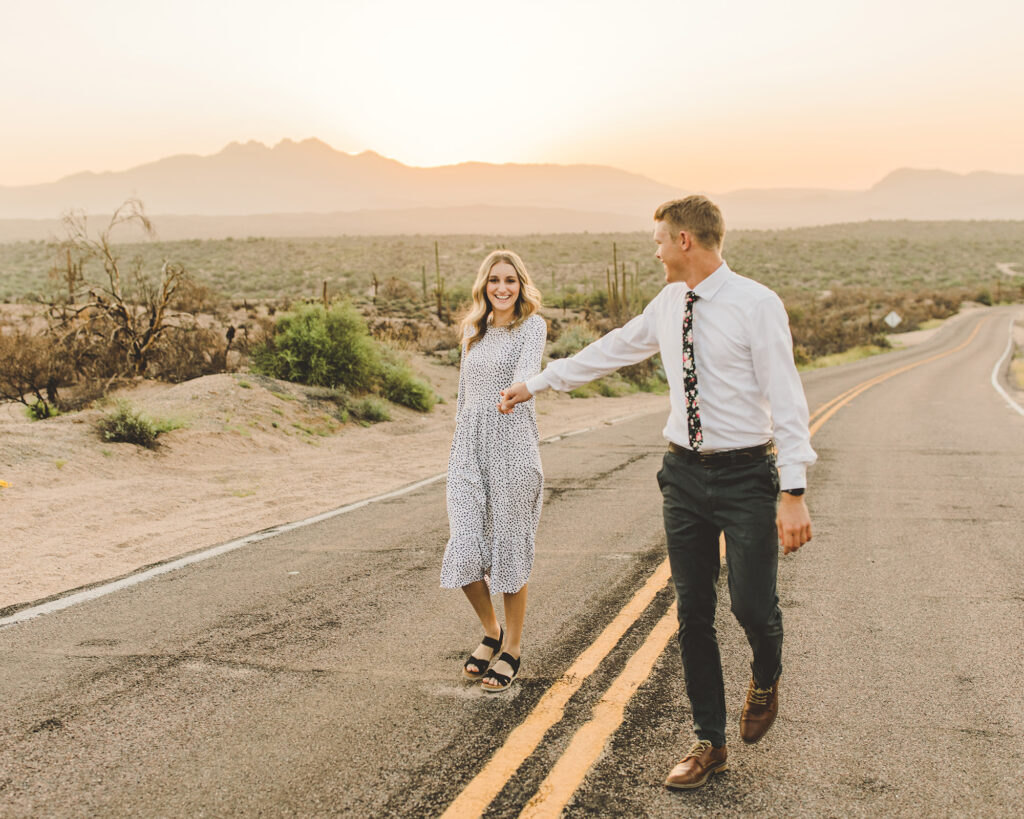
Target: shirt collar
(713, 283)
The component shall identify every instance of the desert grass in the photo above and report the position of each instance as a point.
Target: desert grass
(853, 354)
(838, 282)
(1017, 370)
(125, 424)
(885, 255)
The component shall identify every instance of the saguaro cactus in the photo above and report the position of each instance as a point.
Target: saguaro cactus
(438, 283)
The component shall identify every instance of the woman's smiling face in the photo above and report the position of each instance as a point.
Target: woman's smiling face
(502, 287)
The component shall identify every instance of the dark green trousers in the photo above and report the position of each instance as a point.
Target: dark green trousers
(699, 504)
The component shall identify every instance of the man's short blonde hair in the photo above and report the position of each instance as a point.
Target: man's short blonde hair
(697, 215)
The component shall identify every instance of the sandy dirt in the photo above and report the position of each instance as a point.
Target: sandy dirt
(252, 453)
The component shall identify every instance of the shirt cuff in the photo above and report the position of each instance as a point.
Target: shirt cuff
(793, 476)
(537, 384)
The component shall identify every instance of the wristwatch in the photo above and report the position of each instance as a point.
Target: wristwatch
(795, 492)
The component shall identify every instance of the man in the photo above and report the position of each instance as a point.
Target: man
(728, 355)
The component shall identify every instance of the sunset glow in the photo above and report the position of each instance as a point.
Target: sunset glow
(702, 96)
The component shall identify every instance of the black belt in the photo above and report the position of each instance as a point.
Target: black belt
(730, 457)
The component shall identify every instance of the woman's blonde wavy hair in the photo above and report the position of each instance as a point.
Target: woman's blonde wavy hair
(473, 326)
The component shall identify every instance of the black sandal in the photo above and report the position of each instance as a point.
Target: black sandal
(494, 645)
(503, 680)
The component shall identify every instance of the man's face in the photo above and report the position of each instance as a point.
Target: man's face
(670, 252)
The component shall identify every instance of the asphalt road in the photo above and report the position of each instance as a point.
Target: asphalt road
(317, 672)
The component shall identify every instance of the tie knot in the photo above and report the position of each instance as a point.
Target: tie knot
(691, 297)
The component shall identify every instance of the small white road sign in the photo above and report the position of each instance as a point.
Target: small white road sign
(893, 319)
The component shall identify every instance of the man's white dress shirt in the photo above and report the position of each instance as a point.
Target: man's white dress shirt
(747, 382)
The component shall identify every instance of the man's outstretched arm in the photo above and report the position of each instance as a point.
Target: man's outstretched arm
(626, 345)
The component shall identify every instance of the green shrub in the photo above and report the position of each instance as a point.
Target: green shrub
(457, 295)
(610, 386)
(327, 348)
(333, 349)
(125, 425)
(648, 374)
(571, 300)
(369, 409)
(571, 340)
(40, 411)
(398, 384)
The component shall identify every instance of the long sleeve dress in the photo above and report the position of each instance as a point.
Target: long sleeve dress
(495, 482)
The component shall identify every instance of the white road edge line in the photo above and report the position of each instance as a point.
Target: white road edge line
(224, 548)
(140, 577)
(999, 365)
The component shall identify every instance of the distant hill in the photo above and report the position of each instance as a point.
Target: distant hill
(312, 177)
(924, 195)
(308, 188)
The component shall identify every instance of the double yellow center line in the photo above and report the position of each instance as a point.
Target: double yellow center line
(589, 741)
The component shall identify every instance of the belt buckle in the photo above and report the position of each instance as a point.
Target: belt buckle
(705, 458)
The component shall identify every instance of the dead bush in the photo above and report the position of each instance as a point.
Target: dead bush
(190, 351)
(134, 305)
(254, 334)
(841, 318)
(32, 370)
(433, 339)
(396, 289)
(83, 393)
(423, 335)
(85, 341)
(104, 327)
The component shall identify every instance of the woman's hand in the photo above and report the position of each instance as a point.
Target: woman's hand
(513, 395)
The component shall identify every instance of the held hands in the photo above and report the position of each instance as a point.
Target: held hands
(513, 395)
(793, 522)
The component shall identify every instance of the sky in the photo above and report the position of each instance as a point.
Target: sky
(709, 96)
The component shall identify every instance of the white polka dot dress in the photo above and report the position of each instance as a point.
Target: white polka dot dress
(495, 482)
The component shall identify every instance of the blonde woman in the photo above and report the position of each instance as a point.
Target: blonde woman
(495, 481)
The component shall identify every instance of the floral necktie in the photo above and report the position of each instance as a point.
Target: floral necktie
(690, 376)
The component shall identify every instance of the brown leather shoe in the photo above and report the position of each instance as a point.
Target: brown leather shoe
(758, 711)
(695, 768)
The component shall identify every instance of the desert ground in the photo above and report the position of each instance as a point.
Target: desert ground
(251, 453)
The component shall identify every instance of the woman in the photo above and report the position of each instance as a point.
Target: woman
(494, 474)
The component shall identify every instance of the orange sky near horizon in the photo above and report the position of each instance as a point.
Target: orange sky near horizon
(703, 96)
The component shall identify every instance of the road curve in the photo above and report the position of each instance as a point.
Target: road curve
(904, 616)
(316, 673)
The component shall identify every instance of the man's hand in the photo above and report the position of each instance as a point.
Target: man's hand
(515, 394)
(794, 522)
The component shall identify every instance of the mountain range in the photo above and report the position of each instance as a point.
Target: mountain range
(308, 188)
